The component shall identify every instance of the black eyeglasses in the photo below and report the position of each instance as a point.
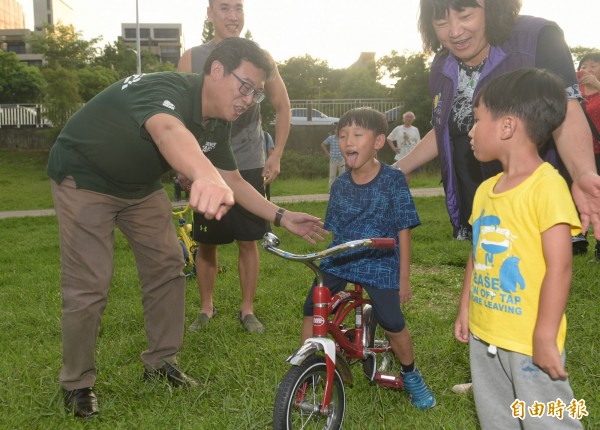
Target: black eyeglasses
(247, 89)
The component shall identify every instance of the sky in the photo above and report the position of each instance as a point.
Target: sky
(336, 31)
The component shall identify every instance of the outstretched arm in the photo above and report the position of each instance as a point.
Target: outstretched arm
(423, 152)
(304, 225)
(574, 143)
(209, 194)
(553, 299)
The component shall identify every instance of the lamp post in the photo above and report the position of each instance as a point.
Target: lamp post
(137, 40)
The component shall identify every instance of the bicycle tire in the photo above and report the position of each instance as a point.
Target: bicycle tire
(300, 395)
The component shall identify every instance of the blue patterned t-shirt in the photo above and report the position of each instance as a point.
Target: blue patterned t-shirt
(381, 208)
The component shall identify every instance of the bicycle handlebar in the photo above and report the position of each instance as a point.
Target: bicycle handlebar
(181, 212)
(271, 242)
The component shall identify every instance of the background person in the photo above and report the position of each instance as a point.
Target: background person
(331, 148)
(475, 41)
(523, 219)
(227, 17)
(404, 138)
(589, 82)
(105, 169)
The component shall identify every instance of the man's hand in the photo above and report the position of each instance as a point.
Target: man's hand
(272, 168)
(211, 199)
(304, 225)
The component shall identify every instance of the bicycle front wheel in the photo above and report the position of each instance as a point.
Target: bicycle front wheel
(300, 397)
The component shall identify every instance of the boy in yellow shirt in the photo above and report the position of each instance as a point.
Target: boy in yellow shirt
(517, 281)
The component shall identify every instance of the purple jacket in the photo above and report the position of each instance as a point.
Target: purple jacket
(518, 51)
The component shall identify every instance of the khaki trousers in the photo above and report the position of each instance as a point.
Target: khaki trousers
(87, 221)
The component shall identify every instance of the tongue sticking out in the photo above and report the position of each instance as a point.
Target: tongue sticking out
(351, 159)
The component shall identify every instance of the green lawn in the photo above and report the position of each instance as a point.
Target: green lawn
(240, 372)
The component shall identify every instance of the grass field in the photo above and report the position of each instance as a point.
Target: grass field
(239, 372)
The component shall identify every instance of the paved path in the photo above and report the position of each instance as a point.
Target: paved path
(417, 192)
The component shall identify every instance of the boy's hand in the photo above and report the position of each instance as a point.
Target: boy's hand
(405, 292)
(547, 358)
(461, 326)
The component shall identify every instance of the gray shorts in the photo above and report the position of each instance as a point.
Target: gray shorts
(501, 378)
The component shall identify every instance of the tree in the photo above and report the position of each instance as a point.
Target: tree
(62, 45)
(208, 31)
(62, 94)
(305, 77)
(19, 83)
(93, 79)
(411, 73)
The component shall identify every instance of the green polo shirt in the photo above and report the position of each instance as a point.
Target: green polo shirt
(106, 148)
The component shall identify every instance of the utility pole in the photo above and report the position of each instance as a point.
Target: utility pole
(137, 39)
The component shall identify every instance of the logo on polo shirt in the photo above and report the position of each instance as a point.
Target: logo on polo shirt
(208, 146)
(169, 105)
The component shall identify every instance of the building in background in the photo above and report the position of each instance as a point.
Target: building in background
(13, 31)
(163, 40)
(11, 15)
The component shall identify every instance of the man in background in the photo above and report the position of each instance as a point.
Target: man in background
(227, 17)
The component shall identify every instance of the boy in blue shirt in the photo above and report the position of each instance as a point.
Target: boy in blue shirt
(372, 199)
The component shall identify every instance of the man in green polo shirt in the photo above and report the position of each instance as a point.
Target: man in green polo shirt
(106, 167)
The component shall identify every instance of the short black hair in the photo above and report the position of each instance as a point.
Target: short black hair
(535, 96)
(365, 117)
(500, 16)
(590, 56)
(230, 52)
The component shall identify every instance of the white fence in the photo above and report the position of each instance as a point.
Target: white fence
(23, 115)
(337, 107)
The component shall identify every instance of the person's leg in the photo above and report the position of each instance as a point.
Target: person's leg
(492, 387)
(86, 225)
(149, 229)
(206, 275)
(332, 172)
(387, 312)
(248, 265)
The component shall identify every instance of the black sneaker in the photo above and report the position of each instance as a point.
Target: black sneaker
(81, 402)
(580, 244)
(172, 375)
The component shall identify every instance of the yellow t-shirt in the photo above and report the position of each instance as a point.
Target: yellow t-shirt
(509, 264)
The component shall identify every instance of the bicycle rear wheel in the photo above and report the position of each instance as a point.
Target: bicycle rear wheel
(300, 396)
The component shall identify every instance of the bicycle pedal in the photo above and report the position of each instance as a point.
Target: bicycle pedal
(389, 381)
(369, 366)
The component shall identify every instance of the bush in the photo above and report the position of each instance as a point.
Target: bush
(296, 164)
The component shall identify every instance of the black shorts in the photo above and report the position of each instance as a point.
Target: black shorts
(385, 302)
(238, 223)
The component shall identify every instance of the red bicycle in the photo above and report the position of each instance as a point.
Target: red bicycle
(311, 394)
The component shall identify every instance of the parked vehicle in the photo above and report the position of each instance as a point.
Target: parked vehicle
(299, 117)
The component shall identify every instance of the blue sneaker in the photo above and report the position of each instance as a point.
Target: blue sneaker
(420, 395)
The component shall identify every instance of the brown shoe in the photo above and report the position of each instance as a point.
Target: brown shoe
(82, 402)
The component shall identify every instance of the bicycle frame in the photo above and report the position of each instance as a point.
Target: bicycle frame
(329, 314)
(189, 247)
